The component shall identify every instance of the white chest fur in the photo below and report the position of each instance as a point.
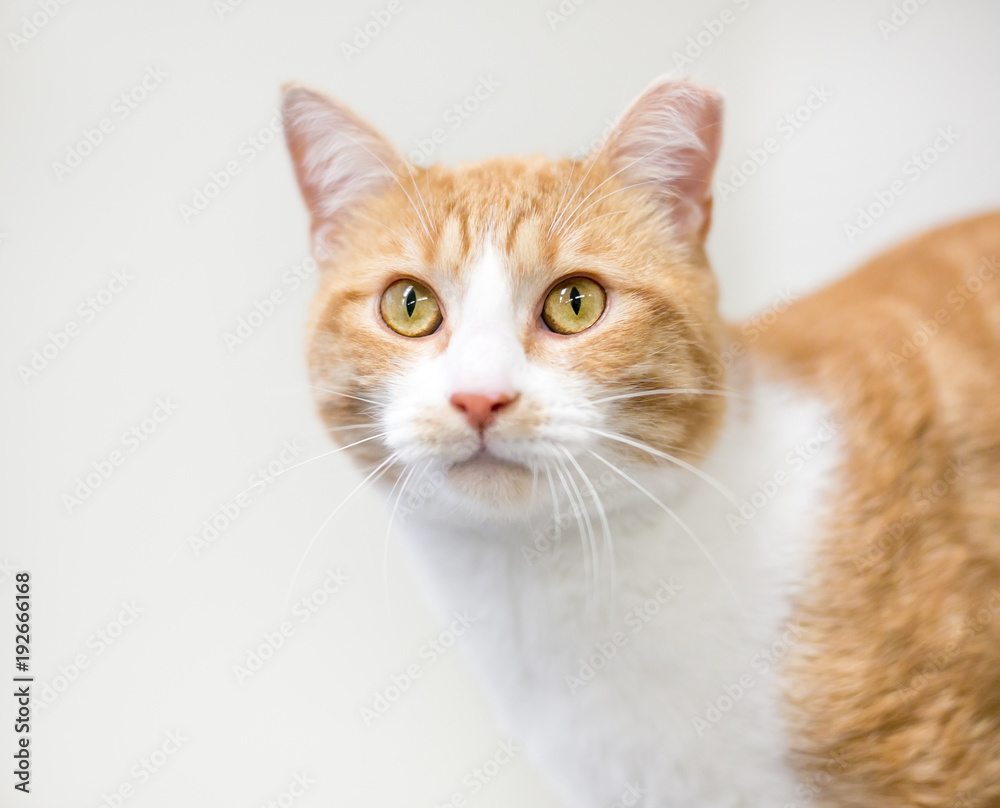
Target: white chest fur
(669, 685)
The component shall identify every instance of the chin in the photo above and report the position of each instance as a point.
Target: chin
(491, 486)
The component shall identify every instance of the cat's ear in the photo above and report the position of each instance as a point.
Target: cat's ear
(339, 159)
(668, 142)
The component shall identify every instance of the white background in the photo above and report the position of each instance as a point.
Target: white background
(163, 337)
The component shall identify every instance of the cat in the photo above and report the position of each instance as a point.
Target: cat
(712, 565)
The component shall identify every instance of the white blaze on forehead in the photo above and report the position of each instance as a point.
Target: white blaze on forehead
(484, 353)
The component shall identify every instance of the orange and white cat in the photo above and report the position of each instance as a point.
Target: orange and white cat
(713, 566)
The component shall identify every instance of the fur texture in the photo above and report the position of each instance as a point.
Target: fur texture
(722, 571)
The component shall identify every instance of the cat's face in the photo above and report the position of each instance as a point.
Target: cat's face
(515, 319)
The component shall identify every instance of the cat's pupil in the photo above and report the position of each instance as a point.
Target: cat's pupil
(575, 299)
(411, 301)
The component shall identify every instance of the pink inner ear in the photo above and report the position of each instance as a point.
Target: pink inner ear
(668, 142)
(339, 159)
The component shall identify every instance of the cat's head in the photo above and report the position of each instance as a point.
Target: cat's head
(504, 321)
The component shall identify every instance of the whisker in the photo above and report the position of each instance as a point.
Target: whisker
(555, 499)
(612, 213)
(593, 162)
(591, 537)
(416, 190)
(576, 190)
(427, 183)
(379, 470)
(395, 178)
(559, 207)
(576, 215)
(388, 533)
(382, 224)
(296, 389)
(310, 460)
(347, 395)
(608, 179)
(670, 458)
(683, 526)
(588, 574)
(423, 471)
(602, 515)
(677, 391)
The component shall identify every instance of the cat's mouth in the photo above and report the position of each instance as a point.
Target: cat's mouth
(492, 481)
(485, 459)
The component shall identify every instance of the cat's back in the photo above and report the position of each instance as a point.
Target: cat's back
(933, 299)
(895, 700)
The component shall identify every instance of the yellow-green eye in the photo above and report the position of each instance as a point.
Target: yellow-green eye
(409, 308)
(574, 305)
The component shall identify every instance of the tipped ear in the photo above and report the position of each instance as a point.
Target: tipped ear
(668, 141)
(339, 159)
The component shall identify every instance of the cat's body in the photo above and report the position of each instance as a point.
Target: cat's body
(735, 486)
(902, 682)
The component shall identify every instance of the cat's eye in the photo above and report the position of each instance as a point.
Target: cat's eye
(574, 305)
(410, 308)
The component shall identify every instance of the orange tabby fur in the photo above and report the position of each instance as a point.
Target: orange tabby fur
(895, 698)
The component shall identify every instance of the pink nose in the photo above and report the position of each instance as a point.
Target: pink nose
(480, 410)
